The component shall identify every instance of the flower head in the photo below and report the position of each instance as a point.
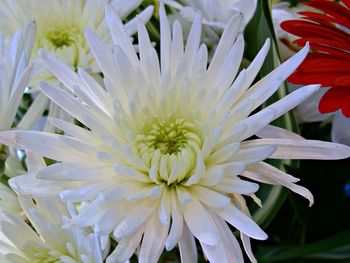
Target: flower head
(49, 242)
(327, 30)
(61, 25)
(45, 239)
(167, 146)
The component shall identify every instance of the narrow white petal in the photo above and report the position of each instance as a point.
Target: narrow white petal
(280, 73)
(236, 186)
(239, 220)
(34, 113)
(270, 132)
(50, 145)
(247, 247)
(153, 241)
(223, 154)
(227, 39)
(165, 40)
(177, 224)
(65, 74)
(341, 129)
(209, 197)
(26, 184)
(135, 219)
(125, 248)
(143, 17)
(119, 34)
(200, 223)
(187, 246)
(254, 154)
(280, 178)
(302, 149)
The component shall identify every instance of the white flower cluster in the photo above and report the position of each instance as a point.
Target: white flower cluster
(160, 153)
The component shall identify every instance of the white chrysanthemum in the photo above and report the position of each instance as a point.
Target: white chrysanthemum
(167, 143)
(216, 14)
(45, 239)
(61, 25)
(49, 242)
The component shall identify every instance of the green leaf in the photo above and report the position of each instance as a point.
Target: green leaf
(335, 243)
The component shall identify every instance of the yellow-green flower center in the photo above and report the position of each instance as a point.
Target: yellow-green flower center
(62, 36)
(169, 137)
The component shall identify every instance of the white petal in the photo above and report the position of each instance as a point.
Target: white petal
(65, 74)
(165, 40)
(119, 34)
(223, 154)
(270, 132)
(341, 129)
(247, 247)
(227, 39)
(26, 184)
(200, 223)
(125, 248)
(209, 197)
(143, 17)
(302, 149)
(250, 155)
(153, 241)
(53, 146)
(135, 219)
(187, 246)
(280, 178)
(239, 220)
(177, 223)
(236, 186)
(307, 111)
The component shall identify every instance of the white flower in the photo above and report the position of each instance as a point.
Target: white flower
(216, 14)
(61, 25)
(168, 143)
(49, 242)
(45, 239)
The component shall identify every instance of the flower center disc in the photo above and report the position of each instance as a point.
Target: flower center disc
(60, 37)
(169, 137)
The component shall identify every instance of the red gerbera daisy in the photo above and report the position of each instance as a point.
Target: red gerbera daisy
(328, 31)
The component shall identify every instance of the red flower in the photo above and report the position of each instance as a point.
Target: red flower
(328, 31)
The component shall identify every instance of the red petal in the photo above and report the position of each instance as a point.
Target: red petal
(338, 11)
(303, 28)
(342, 81)
(335, 99)
(347, 3)
(325, 79)
(323, 42)
(318, 62)
(346, 108)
